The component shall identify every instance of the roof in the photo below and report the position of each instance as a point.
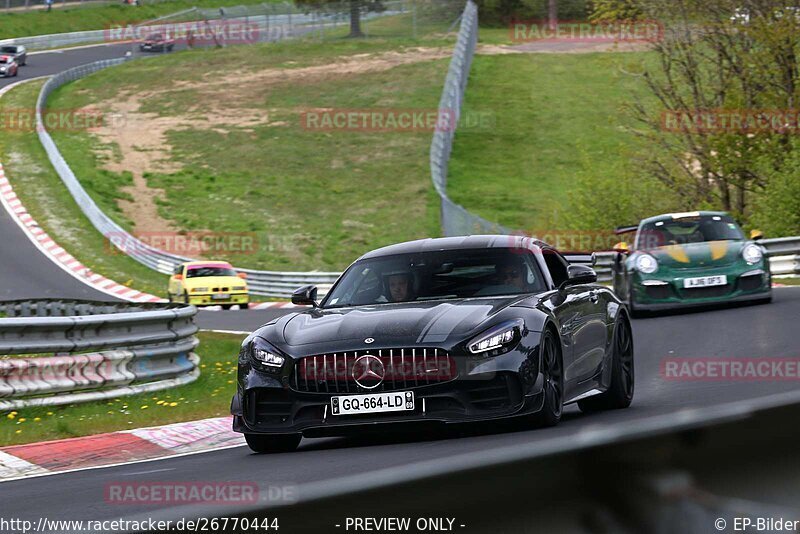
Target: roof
(453, 243)
(672, 216)
(209, 263)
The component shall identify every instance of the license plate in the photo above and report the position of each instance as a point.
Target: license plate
(705, 281)
(221, 296)
(400, 401)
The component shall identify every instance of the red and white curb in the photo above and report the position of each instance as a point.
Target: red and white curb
(117, 448)
(59, 256)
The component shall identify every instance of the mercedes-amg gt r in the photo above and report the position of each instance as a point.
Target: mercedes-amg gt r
(437, 331)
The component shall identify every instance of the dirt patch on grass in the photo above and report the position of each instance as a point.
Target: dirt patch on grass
(142, 139)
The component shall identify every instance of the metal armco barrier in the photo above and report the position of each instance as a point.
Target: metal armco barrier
(121, 350)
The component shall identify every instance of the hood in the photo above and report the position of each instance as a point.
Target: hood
(214, 281)
(707, 254)
(394, 324)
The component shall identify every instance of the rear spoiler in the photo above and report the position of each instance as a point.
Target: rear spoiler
(587, 259)
(625, 229)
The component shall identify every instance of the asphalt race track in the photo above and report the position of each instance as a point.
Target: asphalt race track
(763, 331)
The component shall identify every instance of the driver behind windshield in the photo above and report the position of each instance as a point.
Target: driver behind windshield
(397, 287)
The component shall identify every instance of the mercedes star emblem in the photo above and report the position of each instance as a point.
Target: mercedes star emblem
(368, 371)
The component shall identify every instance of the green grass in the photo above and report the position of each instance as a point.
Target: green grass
(558, 117)
(98, 17)
(324, 197)
(47, 199)
(208, 396)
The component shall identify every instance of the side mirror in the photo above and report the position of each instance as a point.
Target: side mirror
(178, 277)
(621, 247)
(579, 274)
(243, 276)
(305, 296)
(755, 235)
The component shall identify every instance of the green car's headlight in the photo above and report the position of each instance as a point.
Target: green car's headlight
(647, 264)
(752, 253)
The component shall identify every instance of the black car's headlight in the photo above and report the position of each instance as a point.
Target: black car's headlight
(267, 355)
(498, 339)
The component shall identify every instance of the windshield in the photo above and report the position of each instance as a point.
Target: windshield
(5, 60)
(685, 230)
(195, 272)
(154, 37)
(435, 275)
(8, 49)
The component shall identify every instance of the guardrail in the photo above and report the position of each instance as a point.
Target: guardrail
(102, 350)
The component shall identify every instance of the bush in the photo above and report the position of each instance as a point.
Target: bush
(502, 12)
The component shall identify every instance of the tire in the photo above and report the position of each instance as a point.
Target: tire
(227, 307)
(267, 443)
(620, 392)
(553, 371)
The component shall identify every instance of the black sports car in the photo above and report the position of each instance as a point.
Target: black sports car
(450, 330)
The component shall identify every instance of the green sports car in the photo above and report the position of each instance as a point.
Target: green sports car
(689, 259)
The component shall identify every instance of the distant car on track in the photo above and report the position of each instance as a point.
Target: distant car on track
(18, 52)
(432, 332)
(208, 283)
(8, 67)
(690, 259)
(156, 42)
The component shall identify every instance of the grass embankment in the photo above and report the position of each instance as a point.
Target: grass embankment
(208, 396)
(97, 16)
(558, 117)
(231, 153)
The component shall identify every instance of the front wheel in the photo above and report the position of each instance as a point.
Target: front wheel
(553, 387)
(620, 392)
(227, 307)
(266, 443)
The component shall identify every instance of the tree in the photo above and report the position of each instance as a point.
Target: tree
(720, 57)
(353, 7)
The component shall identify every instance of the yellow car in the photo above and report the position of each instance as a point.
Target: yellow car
(208, 283)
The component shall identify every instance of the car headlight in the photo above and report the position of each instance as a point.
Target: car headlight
(752, 253)
(239, 288)
(200, 290)
(267, 355)
(647, 264)
(497, 339)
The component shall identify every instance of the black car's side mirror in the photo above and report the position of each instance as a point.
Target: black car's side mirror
(305, 296)
(579, 274)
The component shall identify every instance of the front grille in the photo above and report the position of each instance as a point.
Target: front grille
(659, 292)
(750, 283)
(401, 369)
(707, 292)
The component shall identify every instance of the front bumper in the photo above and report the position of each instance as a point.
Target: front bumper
(207, 299)
(506, 386)
(652, 293)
